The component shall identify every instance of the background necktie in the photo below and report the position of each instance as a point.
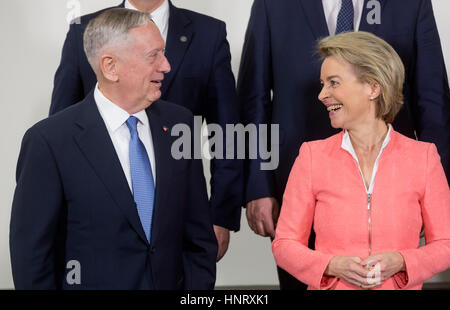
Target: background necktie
(345, 17)
(141, 178)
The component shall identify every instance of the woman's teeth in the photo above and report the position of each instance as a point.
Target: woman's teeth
(334, 107)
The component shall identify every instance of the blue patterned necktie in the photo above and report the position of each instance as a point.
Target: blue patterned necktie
(345, 17)
(141, 178)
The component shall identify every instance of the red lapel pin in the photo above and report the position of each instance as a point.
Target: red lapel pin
(164, 128)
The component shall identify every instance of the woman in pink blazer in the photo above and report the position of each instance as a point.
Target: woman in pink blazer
(368, 191)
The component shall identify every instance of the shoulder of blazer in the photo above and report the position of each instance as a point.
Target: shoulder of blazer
(407, 145)
(329, 143)
(58, 125)
(200, 20)
(171, 112)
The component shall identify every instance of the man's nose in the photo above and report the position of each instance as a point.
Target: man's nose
(165, 65)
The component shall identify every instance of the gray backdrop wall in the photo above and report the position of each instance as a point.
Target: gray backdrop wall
(32, 34)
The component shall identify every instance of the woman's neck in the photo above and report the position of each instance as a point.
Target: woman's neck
(370, 137)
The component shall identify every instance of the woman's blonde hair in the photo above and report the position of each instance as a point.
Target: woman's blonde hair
(375, 61)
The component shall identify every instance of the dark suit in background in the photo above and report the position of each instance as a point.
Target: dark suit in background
(280, 55)
(73, 202)
(200, 80)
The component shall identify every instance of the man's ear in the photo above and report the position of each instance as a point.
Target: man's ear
(108, 67)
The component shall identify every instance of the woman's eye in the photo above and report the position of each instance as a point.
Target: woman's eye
(334, 83)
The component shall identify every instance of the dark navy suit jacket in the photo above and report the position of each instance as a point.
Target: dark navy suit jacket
(280, 55)
(200, 80)
(73, 202)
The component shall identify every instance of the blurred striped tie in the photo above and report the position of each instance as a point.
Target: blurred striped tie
(345, 17)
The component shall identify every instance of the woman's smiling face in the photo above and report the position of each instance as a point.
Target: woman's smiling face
(346, 98)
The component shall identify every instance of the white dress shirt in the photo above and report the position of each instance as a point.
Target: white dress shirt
(160, 16)
(347, 145)
(331, 9)
(115, 118)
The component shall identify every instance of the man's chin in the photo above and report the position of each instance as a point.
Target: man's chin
(154, 97)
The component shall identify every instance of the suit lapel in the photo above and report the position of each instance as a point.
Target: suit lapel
(162, 146)
(179, 38)
(313, 11)
(95, 143)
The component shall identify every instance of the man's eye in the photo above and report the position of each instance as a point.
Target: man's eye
(152, 58)
(333, 83)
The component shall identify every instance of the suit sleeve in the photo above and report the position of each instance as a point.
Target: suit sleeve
(290, 247)
(199, 240)
(433, 95)
(254, 91)
(67, 86)
(36, 211)
(427, 261)
(223, 109)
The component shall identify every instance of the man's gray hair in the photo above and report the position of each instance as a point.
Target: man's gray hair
(108, 29)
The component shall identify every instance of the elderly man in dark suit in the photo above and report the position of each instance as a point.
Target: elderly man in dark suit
(279, 83)
(200, 80)
(97, 186)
